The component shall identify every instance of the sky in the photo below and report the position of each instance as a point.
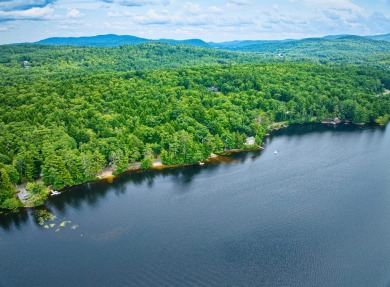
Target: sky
(217, 21)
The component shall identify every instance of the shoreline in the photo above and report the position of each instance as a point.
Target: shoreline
(108, 172)
(108, 175)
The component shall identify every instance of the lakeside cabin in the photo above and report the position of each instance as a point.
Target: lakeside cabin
(26, 65)
(212, 89)
(334, 121)
(250, 141)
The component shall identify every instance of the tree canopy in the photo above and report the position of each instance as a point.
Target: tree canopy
(64, 121)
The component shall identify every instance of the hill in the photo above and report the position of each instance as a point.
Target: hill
(188, 42)
(344, 49)
(25, 58)
(112, 40)
(100, 41)
(385, 37)
(245, 43)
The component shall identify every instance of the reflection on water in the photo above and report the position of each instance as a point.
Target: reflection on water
(14, 219)
(93, 192)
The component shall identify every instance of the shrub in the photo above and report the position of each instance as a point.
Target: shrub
(11, 203)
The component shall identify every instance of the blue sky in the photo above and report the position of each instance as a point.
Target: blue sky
(220, 20)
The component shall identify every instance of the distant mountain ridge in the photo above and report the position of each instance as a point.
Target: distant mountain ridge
(112, 40)
(385, 37)
(244, 43)
(100, 40)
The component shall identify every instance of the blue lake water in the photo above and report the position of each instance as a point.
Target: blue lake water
(317, 213)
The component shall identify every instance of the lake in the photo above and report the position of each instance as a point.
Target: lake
(317, 213)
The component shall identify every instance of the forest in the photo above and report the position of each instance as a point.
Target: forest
(68, 112)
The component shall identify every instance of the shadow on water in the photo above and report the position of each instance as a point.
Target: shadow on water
(94, 192)
(294, 131)
(14, 219)
(91, 194)
(302, 129)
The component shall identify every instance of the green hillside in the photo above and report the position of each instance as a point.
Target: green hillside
(68, 59)
(67, 112)
(346, 49)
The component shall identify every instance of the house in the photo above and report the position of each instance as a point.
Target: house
(334, 121)
(26, 65)
(213, 89)
(250, 141)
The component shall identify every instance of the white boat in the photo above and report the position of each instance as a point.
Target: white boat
(201, 163)
(275, 152)
(55, 192)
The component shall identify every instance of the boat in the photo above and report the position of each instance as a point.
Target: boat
(55, 192)
(275, 152)
(201, 163)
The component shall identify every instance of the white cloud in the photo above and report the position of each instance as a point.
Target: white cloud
(332, 15)
(341, 5)
(343, 13)
(73, 25)
(234, 21)
(379, 23)
(213, 20)
(11, 5)
(192, 8)
(81, 5)
(233, 3)
(153, 17)
(116, 14)
(44, 13)
(217, 10)
(190, 15)
(74, 13)
(138, 3)
(164, 17)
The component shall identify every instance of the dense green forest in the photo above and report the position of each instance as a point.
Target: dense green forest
(67, 59)
(67, 112)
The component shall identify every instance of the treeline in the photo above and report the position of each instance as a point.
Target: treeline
(32, 62)
(66, 130)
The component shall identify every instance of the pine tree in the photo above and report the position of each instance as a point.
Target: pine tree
(7, 190)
